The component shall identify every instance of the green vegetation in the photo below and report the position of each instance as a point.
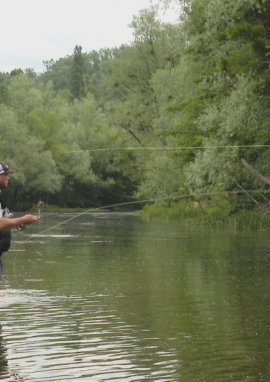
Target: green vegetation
(76, 74)
(199, 87)
(212, 217)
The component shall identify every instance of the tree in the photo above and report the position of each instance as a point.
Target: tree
(227, 101)
(24, 152)
(76, 74)
(16, 72)
(3, 89)
(30, 73)
(163, 179)
(24, 95)
(46, 126)
(58, 72)
(132, 103)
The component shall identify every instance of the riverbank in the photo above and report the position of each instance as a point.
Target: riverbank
(213, 217)
(57, 209)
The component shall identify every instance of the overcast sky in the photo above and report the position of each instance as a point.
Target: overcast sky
(36, 30)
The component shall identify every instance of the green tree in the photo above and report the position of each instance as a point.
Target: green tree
(132, 104)
(76, 74)
(30, 73)
(37, 172)
(3, 89)
(24, 95)
(16, 72)
(58, 72)
(163, 179)
(100, 175)
(231, 39)
(45, 125)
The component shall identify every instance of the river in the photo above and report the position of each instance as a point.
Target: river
(112, 297)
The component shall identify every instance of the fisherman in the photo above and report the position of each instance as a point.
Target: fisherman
(5, 223)
(40, 208)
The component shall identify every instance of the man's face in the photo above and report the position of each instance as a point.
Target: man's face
(4, 180)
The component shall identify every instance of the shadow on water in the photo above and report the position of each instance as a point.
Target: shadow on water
(110, 297)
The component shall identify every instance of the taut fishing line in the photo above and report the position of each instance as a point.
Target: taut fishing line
(15, 258)
(149, 148)
(170, 148)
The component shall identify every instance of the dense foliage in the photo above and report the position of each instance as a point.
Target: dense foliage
(189, 90)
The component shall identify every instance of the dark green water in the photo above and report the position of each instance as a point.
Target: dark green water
(110, 297)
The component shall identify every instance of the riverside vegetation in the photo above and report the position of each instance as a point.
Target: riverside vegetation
(197, 92)
(213, 217)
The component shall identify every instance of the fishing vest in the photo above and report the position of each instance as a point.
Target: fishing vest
(5, 236)
(5, 240)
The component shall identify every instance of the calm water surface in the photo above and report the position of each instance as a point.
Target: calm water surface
(110, 297)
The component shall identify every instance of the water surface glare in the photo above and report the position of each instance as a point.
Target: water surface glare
(111, 297)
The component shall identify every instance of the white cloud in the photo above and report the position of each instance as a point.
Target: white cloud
(37, 30)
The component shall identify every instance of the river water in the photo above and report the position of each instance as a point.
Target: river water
(112, 297)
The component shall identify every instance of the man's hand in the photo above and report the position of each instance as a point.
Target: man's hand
(28, 219)
(6, 223)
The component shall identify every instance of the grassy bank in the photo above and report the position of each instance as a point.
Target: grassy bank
(212, 217)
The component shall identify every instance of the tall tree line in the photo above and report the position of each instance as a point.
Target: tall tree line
(199, 87)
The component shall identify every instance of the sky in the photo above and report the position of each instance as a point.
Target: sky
(37, 30)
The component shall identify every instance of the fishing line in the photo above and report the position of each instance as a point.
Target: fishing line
(14, 264)
(148, 148)
(169, 148)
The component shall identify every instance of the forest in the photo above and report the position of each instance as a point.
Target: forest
(166, 119)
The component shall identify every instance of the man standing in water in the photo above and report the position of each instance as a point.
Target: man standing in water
(40, 208)
(5, 223)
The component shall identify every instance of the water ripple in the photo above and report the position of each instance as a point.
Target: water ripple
(58, 338)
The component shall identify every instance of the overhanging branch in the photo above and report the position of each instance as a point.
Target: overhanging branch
(255, 173)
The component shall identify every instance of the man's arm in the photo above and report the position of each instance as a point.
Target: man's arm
(6, 223)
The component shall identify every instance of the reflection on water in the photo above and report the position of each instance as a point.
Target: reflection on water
(3, 359)
(60, 338)
(109, 297)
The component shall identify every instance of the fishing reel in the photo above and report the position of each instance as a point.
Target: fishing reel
(7, 214)
(21, 227)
